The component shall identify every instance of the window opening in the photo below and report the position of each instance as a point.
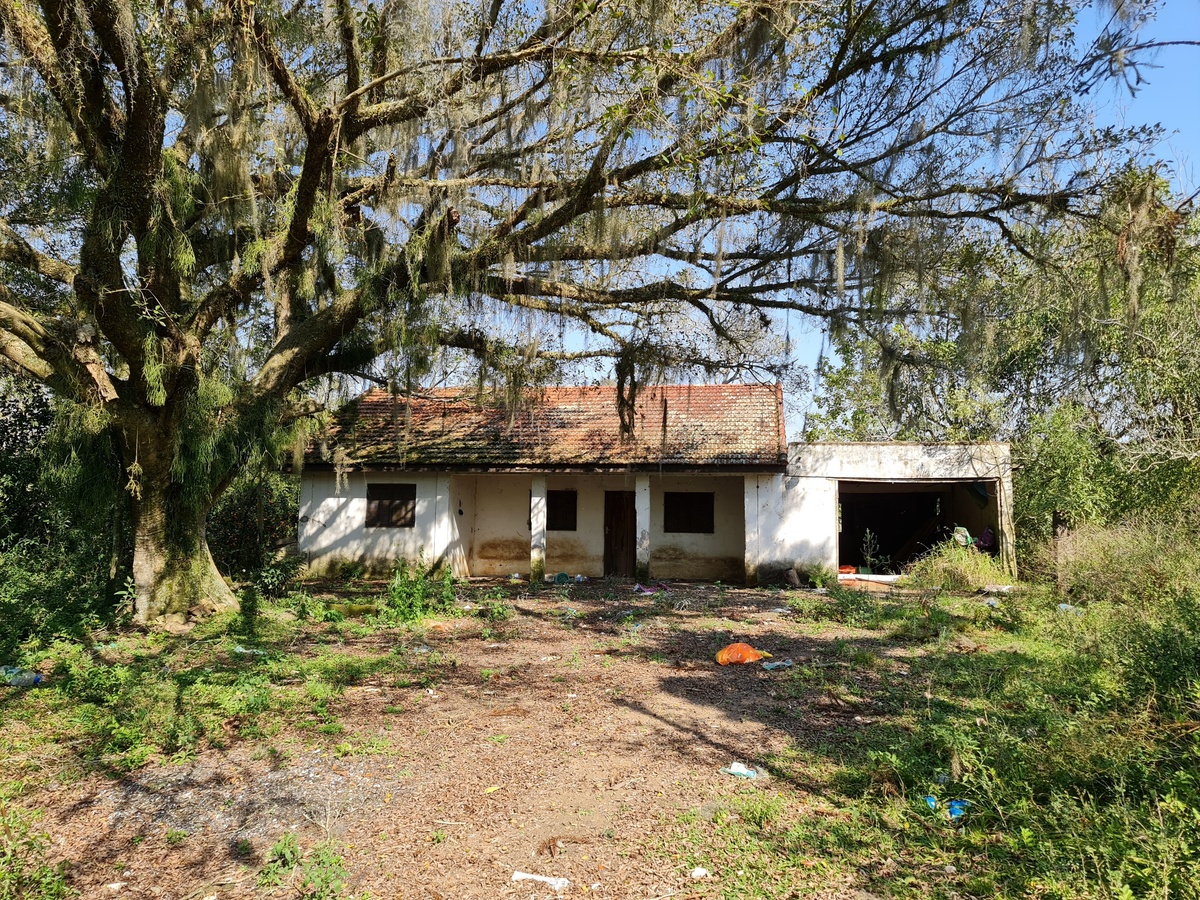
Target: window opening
(688, 512)
(562, 510)
(391, 505)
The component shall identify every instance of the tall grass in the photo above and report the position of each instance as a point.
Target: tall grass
(952, 567)
(1134, 562)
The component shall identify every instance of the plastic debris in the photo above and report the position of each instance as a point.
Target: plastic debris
(951, 869)
(562, 578)
(248, 651)
(942, 778)
(1068, 608)
(642, 589)
(993, 603)
(15, 676)
(956, 809)
(740, 653)
(738, 770)
(778, 664)
(558, 884)
(581, 579)
(697, 873)
(779, 610)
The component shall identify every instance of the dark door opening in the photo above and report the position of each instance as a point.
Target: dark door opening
(620, 525)
(906, 519)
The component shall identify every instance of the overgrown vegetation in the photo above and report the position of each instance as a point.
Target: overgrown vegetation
(252, 522)
(1068, 732)
(24, 872)
(953, 567)
(415, 592)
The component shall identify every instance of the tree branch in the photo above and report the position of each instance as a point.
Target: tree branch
(15, 249)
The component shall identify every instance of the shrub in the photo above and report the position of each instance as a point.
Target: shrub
(47, 591)
(251, 520)
(952, 567)
(414, 592)
(277, 578)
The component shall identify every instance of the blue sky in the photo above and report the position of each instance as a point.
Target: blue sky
(1171, 94)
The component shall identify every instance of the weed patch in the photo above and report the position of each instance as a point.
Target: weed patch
(414, 593)
(24, 872)
(953, 567)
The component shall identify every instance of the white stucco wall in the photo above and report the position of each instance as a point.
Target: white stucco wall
(763, 524)
(480, 525)
(581, 552)
(788, 519)
(900, 461)
(720, 555)
(499, 522)
(332, 523)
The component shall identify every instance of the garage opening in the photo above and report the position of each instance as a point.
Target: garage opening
(884, 526)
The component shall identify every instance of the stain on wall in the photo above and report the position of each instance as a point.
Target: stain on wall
(700, 568)
(504, 549)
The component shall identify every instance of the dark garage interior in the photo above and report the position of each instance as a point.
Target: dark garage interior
(907, 518)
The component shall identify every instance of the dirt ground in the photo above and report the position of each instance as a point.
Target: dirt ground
(561, 743)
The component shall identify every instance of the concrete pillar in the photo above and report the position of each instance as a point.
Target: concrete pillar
(753, 529)
(641, 506)
(537, 528)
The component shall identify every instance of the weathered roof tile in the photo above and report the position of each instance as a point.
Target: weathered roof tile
(705, 425)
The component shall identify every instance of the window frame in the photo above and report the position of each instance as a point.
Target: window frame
(391, 504)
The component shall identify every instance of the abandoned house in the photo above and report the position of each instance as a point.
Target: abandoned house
(706, 487)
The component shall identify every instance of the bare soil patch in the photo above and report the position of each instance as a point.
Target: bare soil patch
(563, 742)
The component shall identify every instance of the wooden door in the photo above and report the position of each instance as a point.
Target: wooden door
(620, 534)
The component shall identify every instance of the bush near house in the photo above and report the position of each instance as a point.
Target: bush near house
(252, 521)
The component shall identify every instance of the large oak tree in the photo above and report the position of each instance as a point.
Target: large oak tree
(208, 205)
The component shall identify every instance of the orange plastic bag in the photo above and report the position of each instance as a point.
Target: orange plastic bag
(739, 653)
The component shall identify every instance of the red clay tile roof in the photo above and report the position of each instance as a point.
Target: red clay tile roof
(684, 426)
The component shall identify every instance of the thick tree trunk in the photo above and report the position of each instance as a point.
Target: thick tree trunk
(174, 571)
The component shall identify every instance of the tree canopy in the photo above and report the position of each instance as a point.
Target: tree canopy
(212, 206)
(1085, 356)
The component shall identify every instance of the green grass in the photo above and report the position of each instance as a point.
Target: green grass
(124, 702)
(1073, 740)
(1072, 736)
(24, 872)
